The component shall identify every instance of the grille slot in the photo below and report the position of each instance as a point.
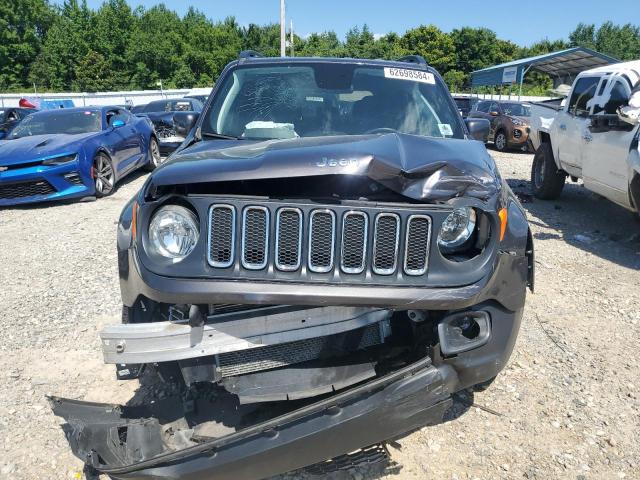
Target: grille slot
(222, 235)
(416, 255)
(385, 243)
(281, 355)
(322, 232)
(25, 189)
(255, 237)
(354, 242)
(288, 239)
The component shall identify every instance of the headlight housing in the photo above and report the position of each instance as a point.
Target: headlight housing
(173, 232)
(456, 230)
(60, 160)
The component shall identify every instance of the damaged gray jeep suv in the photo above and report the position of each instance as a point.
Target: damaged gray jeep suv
(325, 261)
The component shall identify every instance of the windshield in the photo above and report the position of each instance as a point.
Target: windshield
(71, 123)
(517, 109)
(269, 102)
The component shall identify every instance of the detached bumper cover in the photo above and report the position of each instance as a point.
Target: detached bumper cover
(379, 410)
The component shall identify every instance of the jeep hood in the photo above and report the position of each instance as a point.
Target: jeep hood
(417, 167)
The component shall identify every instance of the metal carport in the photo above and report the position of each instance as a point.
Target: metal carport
(562, 66)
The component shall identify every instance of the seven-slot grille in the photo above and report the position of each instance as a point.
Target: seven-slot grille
(313, 238)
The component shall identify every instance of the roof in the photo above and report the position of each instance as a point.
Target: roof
(562, 63)
(405, 62)
(618, 67)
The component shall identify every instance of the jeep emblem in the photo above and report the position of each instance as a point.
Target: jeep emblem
(337, 162)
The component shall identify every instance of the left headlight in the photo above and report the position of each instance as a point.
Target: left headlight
(173, 232)
(60, 160)
(456, 229)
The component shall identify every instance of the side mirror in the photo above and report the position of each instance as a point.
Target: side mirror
(183, 122)
(478, 128)
(117, 124)
(494, 114)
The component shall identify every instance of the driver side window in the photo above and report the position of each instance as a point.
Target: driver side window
(113, 115)
(583, 91)
(617, 99)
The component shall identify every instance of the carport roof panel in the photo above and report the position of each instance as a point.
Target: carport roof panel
(564, 62)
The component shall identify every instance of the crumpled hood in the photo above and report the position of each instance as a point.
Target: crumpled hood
(28, 149)
(414, 166)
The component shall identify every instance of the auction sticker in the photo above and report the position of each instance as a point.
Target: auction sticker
(411, 75)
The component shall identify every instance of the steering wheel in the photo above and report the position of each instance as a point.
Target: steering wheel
(381, 130)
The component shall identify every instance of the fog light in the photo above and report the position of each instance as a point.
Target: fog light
(464, 331)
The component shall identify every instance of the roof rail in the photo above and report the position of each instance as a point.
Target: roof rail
(250, 54)
(418, 59)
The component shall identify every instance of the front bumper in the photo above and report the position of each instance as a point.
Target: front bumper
(506, 283)
(376, 411)
(44, 183)
(124, 441)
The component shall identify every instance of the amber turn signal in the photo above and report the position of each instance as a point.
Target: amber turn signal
(503, 222)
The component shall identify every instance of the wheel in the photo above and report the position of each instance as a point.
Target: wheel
(500, 141)
(103, 175)
(154, 149)
(547, 181)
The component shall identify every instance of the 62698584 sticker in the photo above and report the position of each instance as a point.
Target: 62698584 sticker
(411, 75)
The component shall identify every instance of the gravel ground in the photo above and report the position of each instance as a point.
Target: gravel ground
(565, 407)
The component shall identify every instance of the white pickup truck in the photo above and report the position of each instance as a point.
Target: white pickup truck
(592, 135)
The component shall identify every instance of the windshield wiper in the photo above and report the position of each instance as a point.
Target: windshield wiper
(220, 135)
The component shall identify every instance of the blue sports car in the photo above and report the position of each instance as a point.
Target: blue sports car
(75, 152)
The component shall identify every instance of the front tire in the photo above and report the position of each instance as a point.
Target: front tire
(547, 181)
(500, 141)
(104, 176)
(154, 151)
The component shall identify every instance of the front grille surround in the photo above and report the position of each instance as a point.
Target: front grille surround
(416, 246)
(283, 252)
(223, 240)
(318, 259)
(293, 256)
(359, 250)
(255, 237)
(383, 238)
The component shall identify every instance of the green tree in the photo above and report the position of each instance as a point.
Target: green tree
(433, 44)
(66, 42)
(93, 73)
(23, 25)
(360, 43)
(324, 44)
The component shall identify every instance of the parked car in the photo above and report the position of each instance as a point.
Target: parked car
(509, 122)
(161, 114)
(592, 135)
(71, 153)
(326, 260)
(200, 94)
(10, 117)
(465, 104)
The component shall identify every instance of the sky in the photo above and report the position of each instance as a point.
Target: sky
(523, 22)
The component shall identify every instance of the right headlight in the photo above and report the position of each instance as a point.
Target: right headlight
(173, 232)
(456, 229)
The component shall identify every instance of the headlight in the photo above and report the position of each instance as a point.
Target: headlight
(456, 229)
(60, 160)
(173, 232)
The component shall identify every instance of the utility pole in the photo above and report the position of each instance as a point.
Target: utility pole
(292, 51)
(283, 33)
